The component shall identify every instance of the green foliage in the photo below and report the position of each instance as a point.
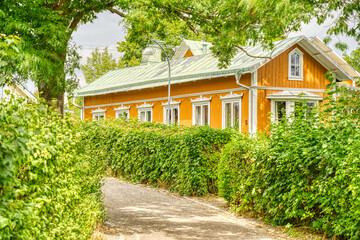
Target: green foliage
(354, 59)
(98, 64)
(8, 58)
(306, 173)
(180, 158)
(144, 25)
(49, 187)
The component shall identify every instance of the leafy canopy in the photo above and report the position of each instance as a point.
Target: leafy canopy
(100, 63)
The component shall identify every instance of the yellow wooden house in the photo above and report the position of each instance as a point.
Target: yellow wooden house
(242, 96)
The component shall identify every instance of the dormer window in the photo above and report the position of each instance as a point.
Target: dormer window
(296, 65)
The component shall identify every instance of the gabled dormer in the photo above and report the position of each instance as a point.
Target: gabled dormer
(189, 48)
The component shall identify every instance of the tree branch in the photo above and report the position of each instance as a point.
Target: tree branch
(76, 21)
(253, 56)
(182, 17)
(113, 10)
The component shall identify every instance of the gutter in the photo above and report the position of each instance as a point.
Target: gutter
(238, 77)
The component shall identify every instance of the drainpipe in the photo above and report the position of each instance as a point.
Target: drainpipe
(238, 77)
(81, 108)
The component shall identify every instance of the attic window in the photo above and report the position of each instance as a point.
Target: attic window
(295, 65)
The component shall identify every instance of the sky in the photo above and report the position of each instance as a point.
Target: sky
(106, 31)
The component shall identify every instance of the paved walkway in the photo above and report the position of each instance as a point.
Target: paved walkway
(138, 212)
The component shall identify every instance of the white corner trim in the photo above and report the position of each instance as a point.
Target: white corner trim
(254, 78)
(99, 110)
(201, 99)
(172, 103)
(231, 95)
(121, 108)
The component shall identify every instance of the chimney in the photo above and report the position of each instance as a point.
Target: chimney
(204, 48)
(151, 54)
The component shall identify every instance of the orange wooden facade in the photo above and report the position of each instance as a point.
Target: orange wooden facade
(270, 78)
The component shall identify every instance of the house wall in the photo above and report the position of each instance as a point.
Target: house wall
(195, 89)
(274, 74)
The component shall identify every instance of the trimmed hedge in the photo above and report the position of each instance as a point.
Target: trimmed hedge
(179, 158)
(49, 188)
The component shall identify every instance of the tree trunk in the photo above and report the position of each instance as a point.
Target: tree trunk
(56, 101)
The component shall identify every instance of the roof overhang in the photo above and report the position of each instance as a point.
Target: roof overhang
(294, 95)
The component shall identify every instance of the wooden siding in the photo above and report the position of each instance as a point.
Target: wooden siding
(196, 88)
(188, 54)
(275, 72)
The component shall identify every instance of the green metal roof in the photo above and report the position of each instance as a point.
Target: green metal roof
(182, 70)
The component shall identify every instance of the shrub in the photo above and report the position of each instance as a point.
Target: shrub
(306, 173)
(49, 188)
(180, 158)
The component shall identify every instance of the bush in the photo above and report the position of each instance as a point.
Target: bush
(49, 189)
(306, 173)
(176, 157)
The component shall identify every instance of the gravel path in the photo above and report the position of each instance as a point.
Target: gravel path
(139, 212)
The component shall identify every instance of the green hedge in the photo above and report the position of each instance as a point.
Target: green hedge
(306, 173)
(49, 188)
(180, 158)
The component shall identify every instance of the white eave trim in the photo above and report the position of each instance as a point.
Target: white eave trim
(294, 95)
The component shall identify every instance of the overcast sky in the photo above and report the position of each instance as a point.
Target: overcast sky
(106, 31)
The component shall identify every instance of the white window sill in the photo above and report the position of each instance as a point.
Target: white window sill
(295, 78)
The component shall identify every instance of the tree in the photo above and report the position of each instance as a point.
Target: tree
(354, 59)
(8, 52)
(100, 63)
(45, 27)
(141, 31)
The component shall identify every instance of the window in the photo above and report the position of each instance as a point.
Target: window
(280, 109)
(231, 110)
(295, 65)
(285, 102)
(174, 112)
(145, 112)
(286, 108)
(98, 114)
(310, 104)
(201, 111)
(122, 112)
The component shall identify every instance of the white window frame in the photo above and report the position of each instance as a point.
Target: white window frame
(97, 113)
(201, 101)
(122, 109)
(145, 108)
(231, 98)
(301, 65)
(173, 105)
(289, 106)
